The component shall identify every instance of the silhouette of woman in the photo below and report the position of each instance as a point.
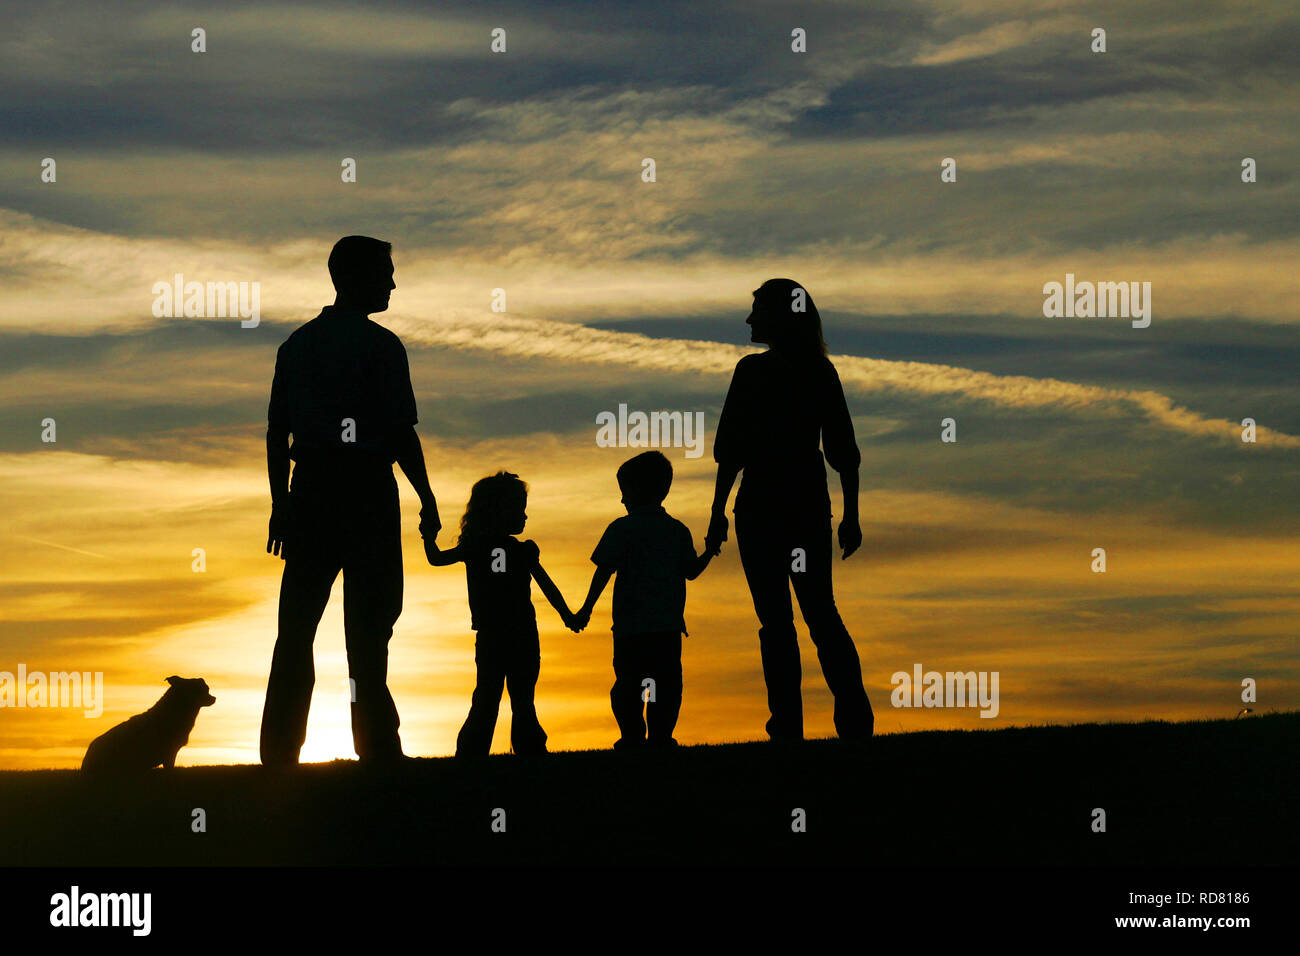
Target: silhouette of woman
(782, 405)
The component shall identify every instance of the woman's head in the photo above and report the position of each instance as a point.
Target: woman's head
(496, 508)
(785, 318)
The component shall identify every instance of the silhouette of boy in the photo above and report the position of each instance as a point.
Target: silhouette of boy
(652, 556)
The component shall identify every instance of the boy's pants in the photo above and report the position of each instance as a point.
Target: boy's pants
(515, 659)
(637, 657)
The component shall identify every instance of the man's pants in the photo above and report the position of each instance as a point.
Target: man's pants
(340, 520)
(767, 544)
(638, 657)
(515, 659)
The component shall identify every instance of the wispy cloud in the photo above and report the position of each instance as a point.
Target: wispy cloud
(579, 345)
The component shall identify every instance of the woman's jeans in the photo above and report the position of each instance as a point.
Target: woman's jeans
(777, 551)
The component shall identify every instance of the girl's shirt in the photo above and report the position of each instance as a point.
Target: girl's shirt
(499, 577)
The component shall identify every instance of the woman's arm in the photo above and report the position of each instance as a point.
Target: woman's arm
(730, 445)
(717, 533)
(841, 448)
(850, 533)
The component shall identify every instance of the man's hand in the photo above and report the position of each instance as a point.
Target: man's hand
(430, 524)
(580, 620)
(850, 535)
(278, 532)
(717, 532)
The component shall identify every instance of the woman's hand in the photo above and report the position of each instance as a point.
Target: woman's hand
(717, 532)
(850, 535)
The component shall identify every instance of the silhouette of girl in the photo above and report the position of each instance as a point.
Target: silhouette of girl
(499, 570)
(782, 405)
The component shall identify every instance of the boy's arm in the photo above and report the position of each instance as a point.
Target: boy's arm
(598, 581)
(553, 594)
(695, 568)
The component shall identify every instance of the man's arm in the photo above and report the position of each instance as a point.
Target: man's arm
(410, 458)
(277, 469)
(277, 454)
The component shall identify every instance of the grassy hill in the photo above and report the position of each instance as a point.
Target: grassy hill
(1204, 792)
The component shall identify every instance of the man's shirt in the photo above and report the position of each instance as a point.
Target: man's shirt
(342, 366)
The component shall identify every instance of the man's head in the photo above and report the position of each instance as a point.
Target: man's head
(361, 269)
(645, 479)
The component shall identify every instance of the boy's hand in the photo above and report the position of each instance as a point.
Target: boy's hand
(581, 620)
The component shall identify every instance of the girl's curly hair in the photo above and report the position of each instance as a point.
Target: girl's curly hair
(492, 502)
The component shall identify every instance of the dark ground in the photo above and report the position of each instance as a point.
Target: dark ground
(1207, 792)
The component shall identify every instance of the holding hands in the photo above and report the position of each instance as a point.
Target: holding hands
(716, 534)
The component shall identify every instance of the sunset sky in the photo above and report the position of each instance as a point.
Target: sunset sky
(522, 171)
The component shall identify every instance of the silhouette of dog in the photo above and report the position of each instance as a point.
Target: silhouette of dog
(154, 737)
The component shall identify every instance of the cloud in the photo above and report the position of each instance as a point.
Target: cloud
(565, 342)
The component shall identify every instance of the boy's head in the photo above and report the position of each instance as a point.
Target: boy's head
(361, 269)
(645, 479)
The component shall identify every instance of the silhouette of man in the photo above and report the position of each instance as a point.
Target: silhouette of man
(342, 390)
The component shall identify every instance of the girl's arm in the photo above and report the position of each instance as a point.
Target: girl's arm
(553, 595)
(439, 558)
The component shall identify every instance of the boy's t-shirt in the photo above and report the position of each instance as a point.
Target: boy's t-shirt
(498, 576)
(649, 552)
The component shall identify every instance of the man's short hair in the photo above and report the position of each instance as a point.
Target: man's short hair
(646, 478)
(357, 257)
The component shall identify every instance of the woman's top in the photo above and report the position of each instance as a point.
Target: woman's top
(777, 413)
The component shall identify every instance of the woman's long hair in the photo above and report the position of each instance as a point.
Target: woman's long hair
(795, 317)
(493, 503)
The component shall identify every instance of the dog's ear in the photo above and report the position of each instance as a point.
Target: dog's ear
(173, 680)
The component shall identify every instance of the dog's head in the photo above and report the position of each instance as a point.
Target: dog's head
(193, 690)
